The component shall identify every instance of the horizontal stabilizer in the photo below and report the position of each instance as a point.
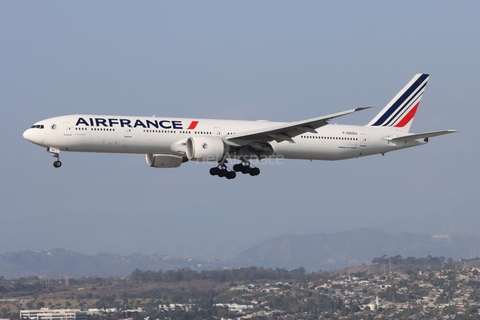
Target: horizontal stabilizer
(425, 135)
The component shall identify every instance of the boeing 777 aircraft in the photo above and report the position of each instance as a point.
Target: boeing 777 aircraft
(169, 142)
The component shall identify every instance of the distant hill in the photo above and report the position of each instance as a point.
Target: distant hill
(55, 263)
(176, 235)
(185, 233)
(319, 251)
(342, 249)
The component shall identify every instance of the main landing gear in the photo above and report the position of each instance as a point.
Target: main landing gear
(245, 167)
(222, 171)
(56, 154)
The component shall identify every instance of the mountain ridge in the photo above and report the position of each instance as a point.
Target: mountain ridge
(338, 250)
(313, 251)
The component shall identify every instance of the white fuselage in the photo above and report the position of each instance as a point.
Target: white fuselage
(156, 135)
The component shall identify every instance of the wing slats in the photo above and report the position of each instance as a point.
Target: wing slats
(287, 131)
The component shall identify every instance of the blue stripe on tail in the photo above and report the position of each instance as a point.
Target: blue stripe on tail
(401, 100)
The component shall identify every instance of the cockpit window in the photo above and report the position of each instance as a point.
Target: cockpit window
(37, 126)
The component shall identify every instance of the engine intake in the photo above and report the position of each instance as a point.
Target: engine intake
(206, 149)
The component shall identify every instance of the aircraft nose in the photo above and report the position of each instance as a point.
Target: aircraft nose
(32, 136)
(27, 135)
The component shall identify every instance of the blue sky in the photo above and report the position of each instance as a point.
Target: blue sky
(275, 60)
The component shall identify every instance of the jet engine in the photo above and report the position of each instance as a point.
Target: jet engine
(206, 149)
(163, 161)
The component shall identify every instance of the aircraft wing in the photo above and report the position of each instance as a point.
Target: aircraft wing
(425, 135)
(287, 131)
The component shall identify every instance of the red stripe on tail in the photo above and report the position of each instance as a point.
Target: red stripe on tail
(408, 117)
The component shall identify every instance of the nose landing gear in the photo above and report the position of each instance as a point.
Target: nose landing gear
(56, 154)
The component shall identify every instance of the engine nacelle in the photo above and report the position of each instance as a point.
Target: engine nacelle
(206, 149)
(163, 161)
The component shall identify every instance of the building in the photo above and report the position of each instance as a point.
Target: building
(53, 314)
(240, 308)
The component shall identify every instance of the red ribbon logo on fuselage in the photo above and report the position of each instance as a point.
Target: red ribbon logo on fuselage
(192, 125)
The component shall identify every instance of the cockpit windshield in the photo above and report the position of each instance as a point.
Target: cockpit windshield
(37, 126)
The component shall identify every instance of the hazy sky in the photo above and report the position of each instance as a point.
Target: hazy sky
(275, 60)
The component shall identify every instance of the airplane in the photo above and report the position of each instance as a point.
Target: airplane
(169, 142)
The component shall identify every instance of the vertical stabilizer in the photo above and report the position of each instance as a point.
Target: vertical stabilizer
(399, 112)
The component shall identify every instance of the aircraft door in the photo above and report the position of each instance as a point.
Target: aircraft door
(363, 139)
(67, 129)
(218, 131)
(128, 132)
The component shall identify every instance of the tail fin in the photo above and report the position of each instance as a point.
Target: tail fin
(399, 112)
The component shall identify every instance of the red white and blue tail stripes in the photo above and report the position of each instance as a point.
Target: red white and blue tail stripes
(399, 112)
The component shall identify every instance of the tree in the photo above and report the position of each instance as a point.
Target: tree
(4, 312)
(354, 308)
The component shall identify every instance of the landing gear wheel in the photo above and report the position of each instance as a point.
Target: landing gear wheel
(254, 172)
(214, 171)
(231, 175)
(245, 169)
(237, 167)
(222, 173)
(57, 164)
